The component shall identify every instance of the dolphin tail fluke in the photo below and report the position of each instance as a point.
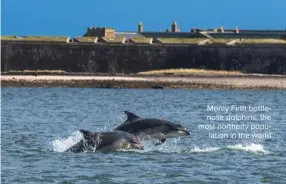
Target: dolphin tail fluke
(131, 116)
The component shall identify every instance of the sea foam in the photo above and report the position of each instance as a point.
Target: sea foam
(170, 146)
(62, 144)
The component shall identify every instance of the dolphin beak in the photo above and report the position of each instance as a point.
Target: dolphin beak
(187, 132)
(137, 145)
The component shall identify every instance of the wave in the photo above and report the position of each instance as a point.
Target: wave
(252, 148)
(202, 150)
(62, 144)
(170, 146)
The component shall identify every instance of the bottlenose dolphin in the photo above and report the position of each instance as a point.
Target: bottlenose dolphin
(106, 141)
(146, 128)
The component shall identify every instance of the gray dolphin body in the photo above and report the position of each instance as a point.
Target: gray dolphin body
(146, 128)
(106, 141)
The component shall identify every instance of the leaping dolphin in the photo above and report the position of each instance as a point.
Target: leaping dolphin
(146, 128)
(105, 141)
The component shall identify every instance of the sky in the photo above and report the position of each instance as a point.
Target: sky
(72, 17)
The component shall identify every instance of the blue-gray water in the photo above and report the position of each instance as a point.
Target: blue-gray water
(39, 123)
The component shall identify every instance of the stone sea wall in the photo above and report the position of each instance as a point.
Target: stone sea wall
(133, 58)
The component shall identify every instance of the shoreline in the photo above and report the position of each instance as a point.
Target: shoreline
(266, 82)
(166, 74)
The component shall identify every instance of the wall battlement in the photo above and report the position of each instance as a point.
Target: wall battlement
(101, 49)
(107, 32)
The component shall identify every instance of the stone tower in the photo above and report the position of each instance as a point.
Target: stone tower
(106, 32)
(175, 27)
(140, 27)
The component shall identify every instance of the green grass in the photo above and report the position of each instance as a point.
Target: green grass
(36, 38)
(250, 41)
(191, 71)
(182, 40)
(263, 41)
(86, 39)
(222, 41)
(142, 40)
(115, 40)
(9, 38)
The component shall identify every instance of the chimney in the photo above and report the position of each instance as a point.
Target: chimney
(174, 27)
(221, 29)
(140, 27)
(236, 30)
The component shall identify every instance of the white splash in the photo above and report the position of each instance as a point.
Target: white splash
(203, 150)
(62, 144)
(170, 146)
(253, 148)
(174, 147)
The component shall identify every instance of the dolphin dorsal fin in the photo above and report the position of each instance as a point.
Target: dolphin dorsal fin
(131, 116)
(86, 134)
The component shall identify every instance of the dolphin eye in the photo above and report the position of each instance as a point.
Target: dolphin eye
(179, 128)
(135, 141)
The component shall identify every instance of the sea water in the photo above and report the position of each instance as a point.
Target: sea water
(39, 124)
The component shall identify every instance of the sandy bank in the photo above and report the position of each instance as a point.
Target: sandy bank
(197, 82)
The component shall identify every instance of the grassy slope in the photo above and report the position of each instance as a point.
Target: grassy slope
(184, 71)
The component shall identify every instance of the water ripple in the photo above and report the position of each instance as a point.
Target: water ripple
(38, 124)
